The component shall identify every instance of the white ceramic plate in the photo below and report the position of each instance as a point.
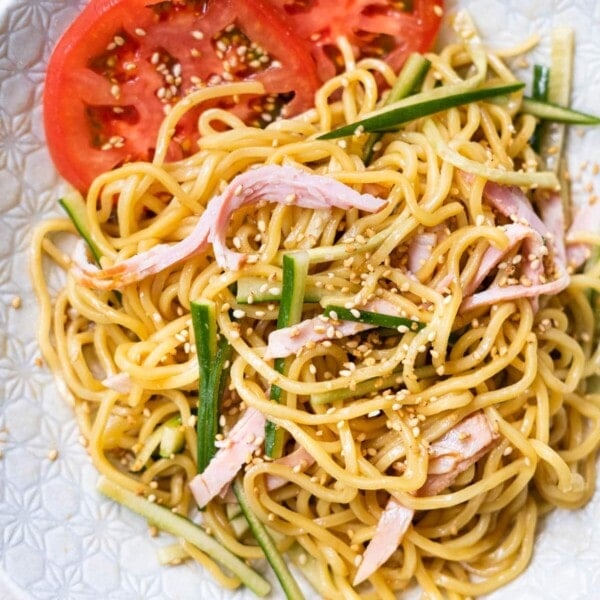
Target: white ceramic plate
(58, 537)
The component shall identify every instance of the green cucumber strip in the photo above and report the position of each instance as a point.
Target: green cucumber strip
(559, 114)
(172, 440)
(179, 526)
(150, 445)
(362, 389)
(408, 83)
(168, 438)
(258, 290)
(75, 208)
(420, 105)
(239, 525)
(541, 76)
(541, 82)
(280, 568)
(541, 179)
(204, 321)
(293, 286)
(562, 51)
(371, 318)
(212, 354)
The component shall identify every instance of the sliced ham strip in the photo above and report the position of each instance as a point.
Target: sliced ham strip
(495, 294)
(391, 528)
(587, 220)
(299, 458)
(516, 233)
(290, 340)
(269, 183)
(121, 382)
(553, 217)
(238, 447)
(512, 202)
(285, 185)
(458, 449)
(420, 250)
(453, 453)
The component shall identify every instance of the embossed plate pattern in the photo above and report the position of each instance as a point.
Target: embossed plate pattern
(58, 537)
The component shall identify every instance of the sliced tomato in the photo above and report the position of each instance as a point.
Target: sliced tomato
(388, 29)
(122, 64)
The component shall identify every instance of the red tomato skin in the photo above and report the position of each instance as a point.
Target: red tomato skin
(71, 86)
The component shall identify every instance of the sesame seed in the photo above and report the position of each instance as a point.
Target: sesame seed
(139, 31)
(52, 454)
(16, 302)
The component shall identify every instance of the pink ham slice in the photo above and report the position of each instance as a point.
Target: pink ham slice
(420, 250)
(512, 202)
(269, 183)
(243, 440)
(452, 454)
(290, 340)
(299, 458)
(516, 233)
(587, 220)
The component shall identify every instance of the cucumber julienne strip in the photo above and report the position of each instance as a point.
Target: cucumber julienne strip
(75, 208)
(409, 80)
(541, 76)
(179, 526)
(212, 355)
(562, 51)
(558, 114)
(543, 179)
(361, 389)
(420, 105)
(466, 30)
(295, 273)
(280, 568)
(167, 437)
(372, 318)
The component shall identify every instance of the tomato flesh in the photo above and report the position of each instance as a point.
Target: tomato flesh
(123, 63)
(385, 29)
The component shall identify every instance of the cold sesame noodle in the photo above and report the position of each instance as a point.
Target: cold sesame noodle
(468, 426)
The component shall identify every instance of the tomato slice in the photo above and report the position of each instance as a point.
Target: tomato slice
(389, 29)
(122, 64)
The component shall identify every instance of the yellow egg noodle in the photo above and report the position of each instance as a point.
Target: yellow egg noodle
(523, 362)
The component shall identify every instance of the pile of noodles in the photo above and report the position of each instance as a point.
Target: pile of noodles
(523, 363)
